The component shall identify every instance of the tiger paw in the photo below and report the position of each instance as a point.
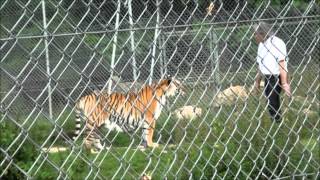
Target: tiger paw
(154, 145)
(141, 148)
(94, 151)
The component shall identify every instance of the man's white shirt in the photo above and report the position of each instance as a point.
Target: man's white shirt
(270, 53)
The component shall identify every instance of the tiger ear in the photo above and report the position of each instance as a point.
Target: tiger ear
(168, 76)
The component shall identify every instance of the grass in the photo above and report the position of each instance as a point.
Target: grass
(240, 141)
(232, 142)
(228, 141)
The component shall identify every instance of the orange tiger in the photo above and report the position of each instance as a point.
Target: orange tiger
(124, 112)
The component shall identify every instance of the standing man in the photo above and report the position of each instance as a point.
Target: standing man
(272, 61)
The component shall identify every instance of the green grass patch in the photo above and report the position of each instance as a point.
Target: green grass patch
(227, 141)
(238, 142)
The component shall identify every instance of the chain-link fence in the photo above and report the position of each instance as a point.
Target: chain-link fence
(54, 52)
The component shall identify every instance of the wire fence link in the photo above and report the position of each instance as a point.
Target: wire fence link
(55, 52)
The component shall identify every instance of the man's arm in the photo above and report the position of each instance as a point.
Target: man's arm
(284, 78)
(258, 80)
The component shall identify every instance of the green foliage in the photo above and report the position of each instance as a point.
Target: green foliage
(12, 137)
(231, 145)
(234, 142)
(231, 141)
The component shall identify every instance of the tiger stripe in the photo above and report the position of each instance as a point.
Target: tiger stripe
(123, 112)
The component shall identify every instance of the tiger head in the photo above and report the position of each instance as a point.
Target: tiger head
(171, 87)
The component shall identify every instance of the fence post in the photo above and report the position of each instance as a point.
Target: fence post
(134, 67)
(154, 43)
(162, 55)
(47, 55)
(114, 46)
(214, 49)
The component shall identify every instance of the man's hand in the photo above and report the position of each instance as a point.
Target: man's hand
(287, 89)
(255, 88)
(257, 85)
(284, 78)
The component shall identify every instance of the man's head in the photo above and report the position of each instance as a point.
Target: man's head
(262, 31)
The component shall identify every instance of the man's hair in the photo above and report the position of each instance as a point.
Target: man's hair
(263, 28)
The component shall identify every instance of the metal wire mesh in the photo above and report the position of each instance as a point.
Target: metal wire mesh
(54, 52)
